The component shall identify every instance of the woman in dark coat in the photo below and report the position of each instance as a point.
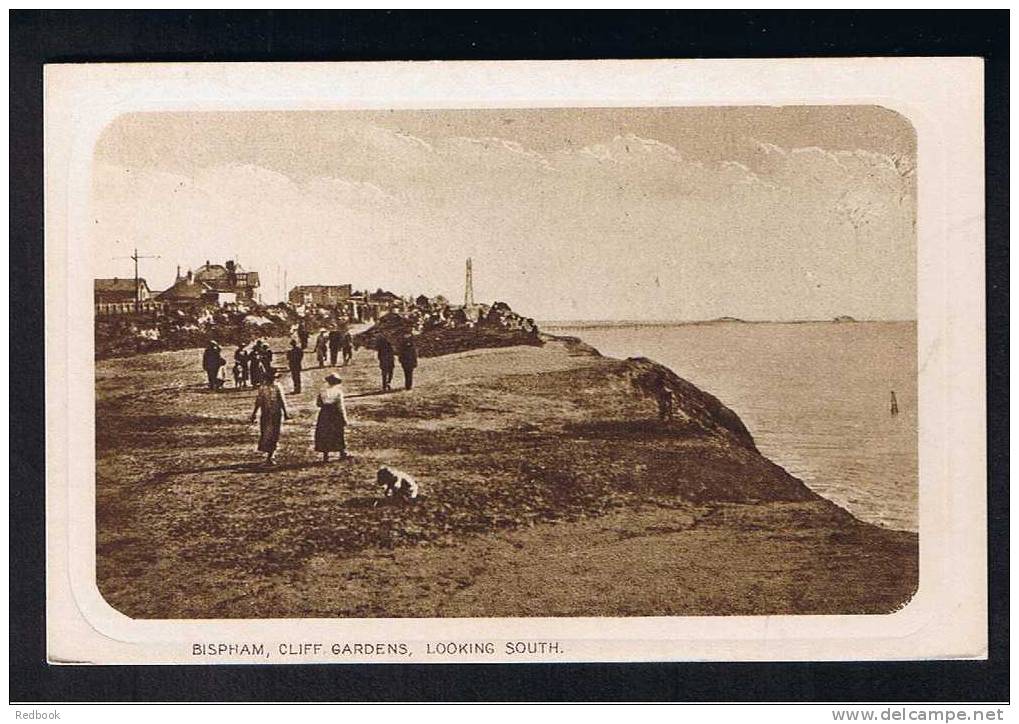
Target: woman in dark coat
(332, 420)
(273, 406)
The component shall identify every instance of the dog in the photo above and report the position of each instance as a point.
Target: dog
(397, 486)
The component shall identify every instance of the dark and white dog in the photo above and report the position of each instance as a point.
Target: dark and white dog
(396, 485)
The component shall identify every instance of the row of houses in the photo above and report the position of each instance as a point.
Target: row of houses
(357, 306)
(230, 283)
(209, 284)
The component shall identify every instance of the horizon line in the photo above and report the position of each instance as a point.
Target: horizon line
(669, 322)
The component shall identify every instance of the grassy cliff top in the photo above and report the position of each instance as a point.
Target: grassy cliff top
(549, 488)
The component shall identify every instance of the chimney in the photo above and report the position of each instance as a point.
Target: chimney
(178, 272)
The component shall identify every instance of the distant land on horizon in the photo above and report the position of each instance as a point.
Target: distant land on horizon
(841, 319)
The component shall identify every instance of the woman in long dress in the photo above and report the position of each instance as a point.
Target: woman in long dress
(332, 420)
(272, 405)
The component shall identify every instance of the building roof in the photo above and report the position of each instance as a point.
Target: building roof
(182, 289)
(118, 285)
(210, 271)
(219, 276)
(319, 287)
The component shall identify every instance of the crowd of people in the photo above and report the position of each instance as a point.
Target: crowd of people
(253, 365)
(329, 344)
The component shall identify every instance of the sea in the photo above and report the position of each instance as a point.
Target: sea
(816, 396)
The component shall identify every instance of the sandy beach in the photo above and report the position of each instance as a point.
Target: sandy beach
(549, 488)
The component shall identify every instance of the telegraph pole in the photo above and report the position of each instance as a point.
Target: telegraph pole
(137, 289)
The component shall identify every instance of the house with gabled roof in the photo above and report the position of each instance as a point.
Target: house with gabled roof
(117, 291)
(228, 278)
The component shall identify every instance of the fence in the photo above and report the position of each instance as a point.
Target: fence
(110, 309)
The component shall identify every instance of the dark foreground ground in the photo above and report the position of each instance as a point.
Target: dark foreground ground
(548, 489)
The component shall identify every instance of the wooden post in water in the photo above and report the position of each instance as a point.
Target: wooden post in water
(895, 405)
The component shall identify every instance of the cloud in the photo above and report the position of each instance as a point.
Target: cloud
(346, 190)
(491, 152)
(780, 233)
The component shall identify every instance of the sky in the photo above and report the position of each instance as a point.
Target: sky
(761, 213)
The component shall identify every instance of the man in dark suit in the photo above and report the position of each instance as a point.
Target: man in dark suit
(295, 358)
(408, 361)
(335, 342)
(212, 360)
(387, 361)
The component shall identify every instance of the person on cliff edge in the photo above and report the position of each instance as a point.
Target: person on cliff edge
(666, 399)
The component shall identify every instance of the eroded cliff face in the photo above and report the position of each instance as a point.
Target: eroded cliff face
(691, 403)
(695, 404)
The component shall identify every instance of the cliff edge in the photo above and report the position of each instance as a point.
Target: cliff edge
(549, 488)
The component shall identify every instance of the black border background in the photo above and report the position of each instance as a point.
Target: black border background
(39, 37)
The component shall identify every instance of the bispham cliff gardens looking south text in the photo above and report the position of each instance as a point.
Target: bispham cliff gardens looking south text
(539, 362)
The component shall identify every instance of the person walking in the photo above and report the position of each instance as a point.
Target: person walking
(295, 356)
(212, 360)
(666, 399)
(240, 369)
(321, 345)
(387, 361)
(408, 361)
(272, 408)
(335, 340)
(331, 425)
(255, 364)
(347, 345)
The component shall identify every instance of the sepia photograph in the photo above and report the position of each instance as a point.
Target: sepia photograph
(553, 362)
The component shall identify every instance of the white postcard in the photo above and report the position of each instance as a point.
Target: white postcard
(515, 361)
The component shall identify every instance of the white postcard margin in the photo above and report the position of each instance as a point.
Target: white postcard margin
(941, 97)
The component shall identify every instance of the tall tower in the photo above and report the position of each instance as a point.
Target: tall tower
(469, 286)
